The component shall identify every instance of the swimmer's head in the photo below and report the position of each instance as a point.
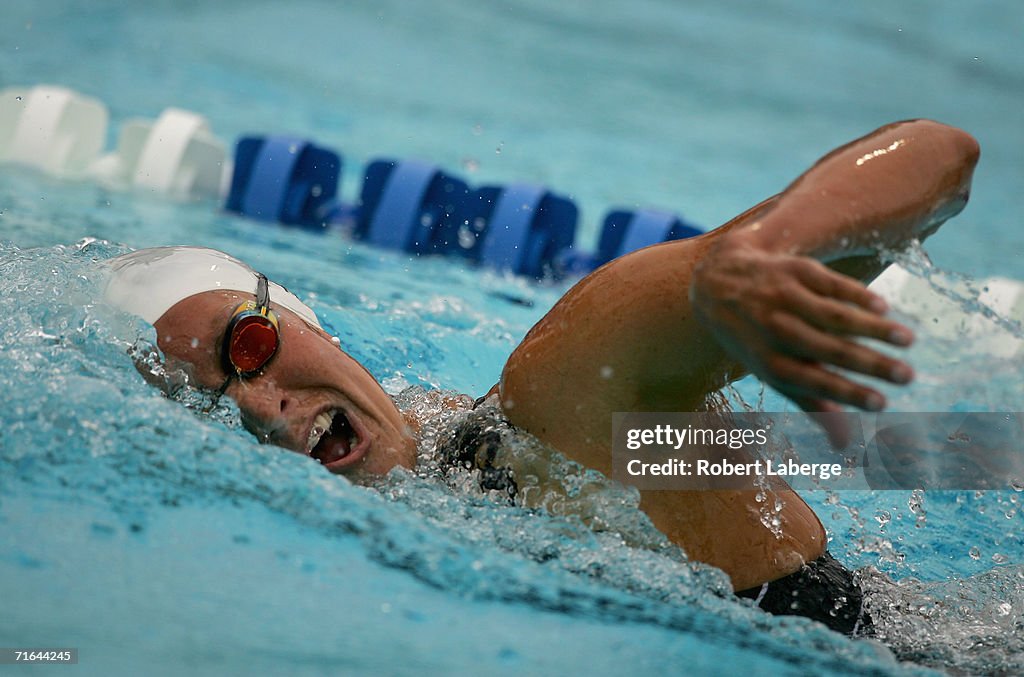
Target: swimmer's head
(307, 396)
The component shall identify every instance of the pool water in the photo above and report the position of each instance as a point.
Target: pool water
(156, 541)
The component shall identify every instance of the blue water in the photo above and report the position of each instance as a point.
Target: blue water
(157, 541)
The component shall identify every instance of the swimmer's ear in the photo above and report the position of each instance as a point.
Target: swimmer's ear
(156, 370)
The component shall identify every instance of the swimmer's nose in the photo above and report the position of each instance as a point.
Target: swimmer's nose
(264, 409)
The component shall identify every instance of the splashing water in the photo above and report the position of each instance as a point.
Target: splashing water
(968, 356)
(924, 555)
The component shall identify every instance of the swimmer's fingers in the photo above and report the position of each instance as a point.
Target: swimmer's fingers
(790, 320)
(842, 318)
(798, 339)
(815, 388)
(827, 282)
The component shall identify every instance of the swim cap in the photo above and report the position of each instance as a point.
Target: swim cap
(148, 282)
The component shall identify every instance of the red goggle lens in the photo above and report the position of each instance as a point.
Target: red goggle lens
(252, 343)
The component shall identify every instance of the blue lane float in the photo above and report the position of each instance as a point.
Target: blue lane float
(624, 231)
(522, 228)
(410, 206)
(285, 179)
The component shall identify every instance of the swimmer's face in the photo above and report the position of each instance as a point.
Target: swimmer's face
(309, 385)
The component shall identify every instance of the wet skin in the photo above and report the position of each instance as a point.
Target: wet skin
(308, 375)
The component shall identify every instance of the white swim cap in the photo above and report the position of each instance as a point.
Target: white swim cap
(148, 282)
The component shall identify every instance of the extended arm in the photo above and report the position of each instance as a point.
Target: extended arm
(661, 328)
(772, 306)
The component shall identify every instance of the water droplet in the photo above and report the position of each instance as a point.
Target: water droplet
(497, 151)
(607, 372)
(466, 238)
(478, 129)
(1000, 558)
(470, 164)
(17, 98)
(1017, 484)
(974, 553)
(883, 517)
(916, 505)
(194, 342)
(1004, 609)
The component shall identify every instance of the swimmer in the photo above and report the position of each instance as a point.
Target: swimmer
(779, 291)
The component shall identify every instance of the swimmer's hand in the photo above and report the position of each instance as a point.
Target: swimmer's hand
(792, 321)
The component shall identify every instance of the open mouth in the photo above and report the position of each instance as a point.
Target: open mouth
(333, 441)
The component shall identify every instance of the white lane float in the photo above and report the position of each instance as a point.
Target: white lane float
(53, 129)
(176, 155)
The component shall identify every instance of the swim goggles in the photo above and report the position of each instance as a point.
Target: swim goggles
(252, 336)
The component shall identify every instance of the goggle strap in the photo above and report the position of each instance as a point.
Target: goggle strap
(262, 293)
(224, 388)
